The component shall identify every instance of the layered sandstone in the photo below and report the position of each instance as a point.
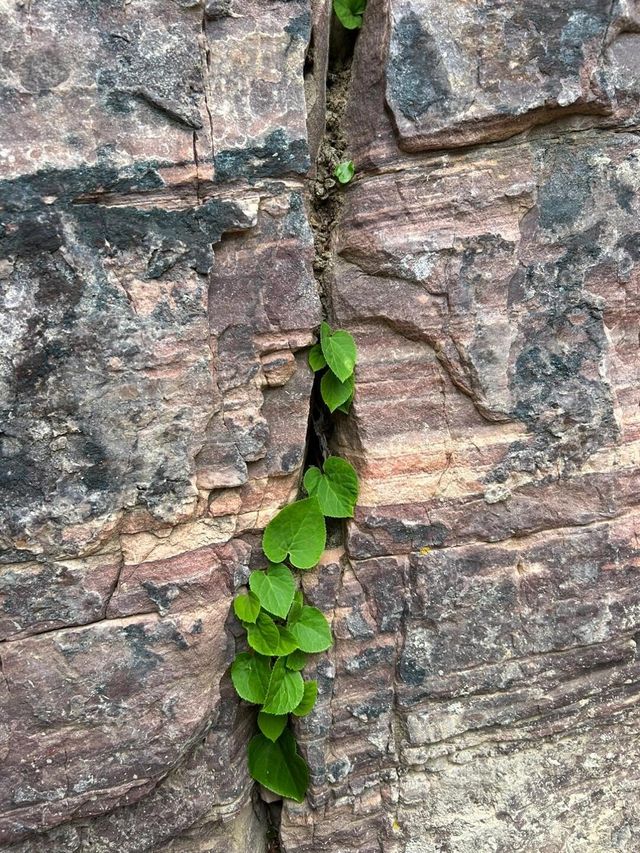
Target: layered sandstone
(157, 299)
(482, 694)
(157, 279)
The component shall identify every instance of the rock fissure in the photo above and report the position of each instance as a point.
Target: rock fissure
(484, 597)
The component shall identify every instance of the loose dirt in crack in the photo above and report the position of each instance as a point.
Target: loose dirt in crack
(327, 197)
(326, 192)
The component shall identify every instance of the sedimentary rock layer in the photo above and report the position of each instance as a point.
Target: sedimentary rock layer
(157, 290)
(156, 275)
(482, 693)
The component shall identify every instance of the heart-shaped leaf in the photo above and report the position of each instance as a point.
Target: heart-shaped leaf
(264, 636)
(339, 350)
(336, 488)
(297, 660)
(316, 359)
(286, 644)
(278, 766)
(285, 691)
(334, 392)
(272, 725)
(308, 699)
(298, 531)
(349, 12)
(246, 607)
(250, 675)
(274, 588)
(311, 631)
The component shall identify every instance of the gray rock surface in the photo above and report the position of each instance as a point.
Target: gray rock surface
(158, 296)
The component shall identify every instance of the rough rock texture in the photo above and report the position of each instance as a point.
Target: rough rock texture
(482, 693)
(156, 276)
(157, 292)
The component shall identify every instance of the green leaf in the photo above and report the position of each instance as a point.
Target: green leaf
(274, 588)
(297, 660)
(311, 631)
(250, 675)
(296, 608)
(345, 171)
(246, 607)
(339, 350)
(264, 636)
(336, 488)
(308, 699)
(278, 766)
(316, 359)
(349, 12)
(272, 725)
(346, 407)
(285, 692)
(334, 392)
(298, 531)
(287, 642)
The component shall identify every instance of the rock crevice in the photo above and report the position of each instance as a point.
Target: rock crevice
(167, 251)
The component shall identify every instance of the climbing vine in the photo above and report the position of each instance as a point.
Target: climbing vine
(281, 629)
(350, 12)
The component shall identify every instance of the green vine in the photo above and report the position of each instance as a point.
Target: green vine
(281, 629)
(350, 12)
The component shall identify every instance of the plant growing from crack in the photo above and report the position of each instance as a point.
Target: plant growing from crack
(350, 12)
(281, 629)
(345, 171)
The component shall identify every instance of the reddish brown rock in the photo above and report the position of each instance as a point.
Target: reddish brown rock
(486, 613)
(157, 292)
(156, 274)
(429, 76)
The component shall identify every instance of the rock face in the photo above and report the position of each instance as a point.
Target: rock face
(158, 291)
(482, 694)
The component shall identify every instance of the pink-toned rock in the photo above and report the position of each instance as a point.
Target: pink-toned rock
(38, 597)
(156, 275)
(429, 76)
(157, 291)
(96, 715)
(482, 690)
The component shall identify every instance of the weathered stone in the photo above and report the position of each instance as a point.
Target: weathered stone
(495, 428)
(157, 292)
(503, 291)
(255, 91)
(156, 276)
(431, 76)
(37, 597)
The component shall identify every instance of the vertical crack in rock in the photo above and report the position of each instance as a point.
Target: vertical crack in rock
(325, 198)
(326, 195)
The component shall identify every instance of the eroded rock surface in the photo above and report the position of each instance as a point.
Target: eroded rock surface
(482, 693)
(157, 291)
(156, 276)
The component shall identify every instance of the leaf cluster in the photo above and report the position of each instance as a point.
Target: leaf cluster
(336, 356)
(281, 629)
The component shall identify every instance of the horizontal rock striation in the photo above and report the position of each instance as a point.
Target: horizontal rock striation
(482, 693)
(158, 296)
(157, 281)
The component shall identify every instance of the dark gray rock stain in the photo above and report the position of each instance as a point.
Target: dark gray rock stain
(73, 320)
(417, 75)
(277, 156)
